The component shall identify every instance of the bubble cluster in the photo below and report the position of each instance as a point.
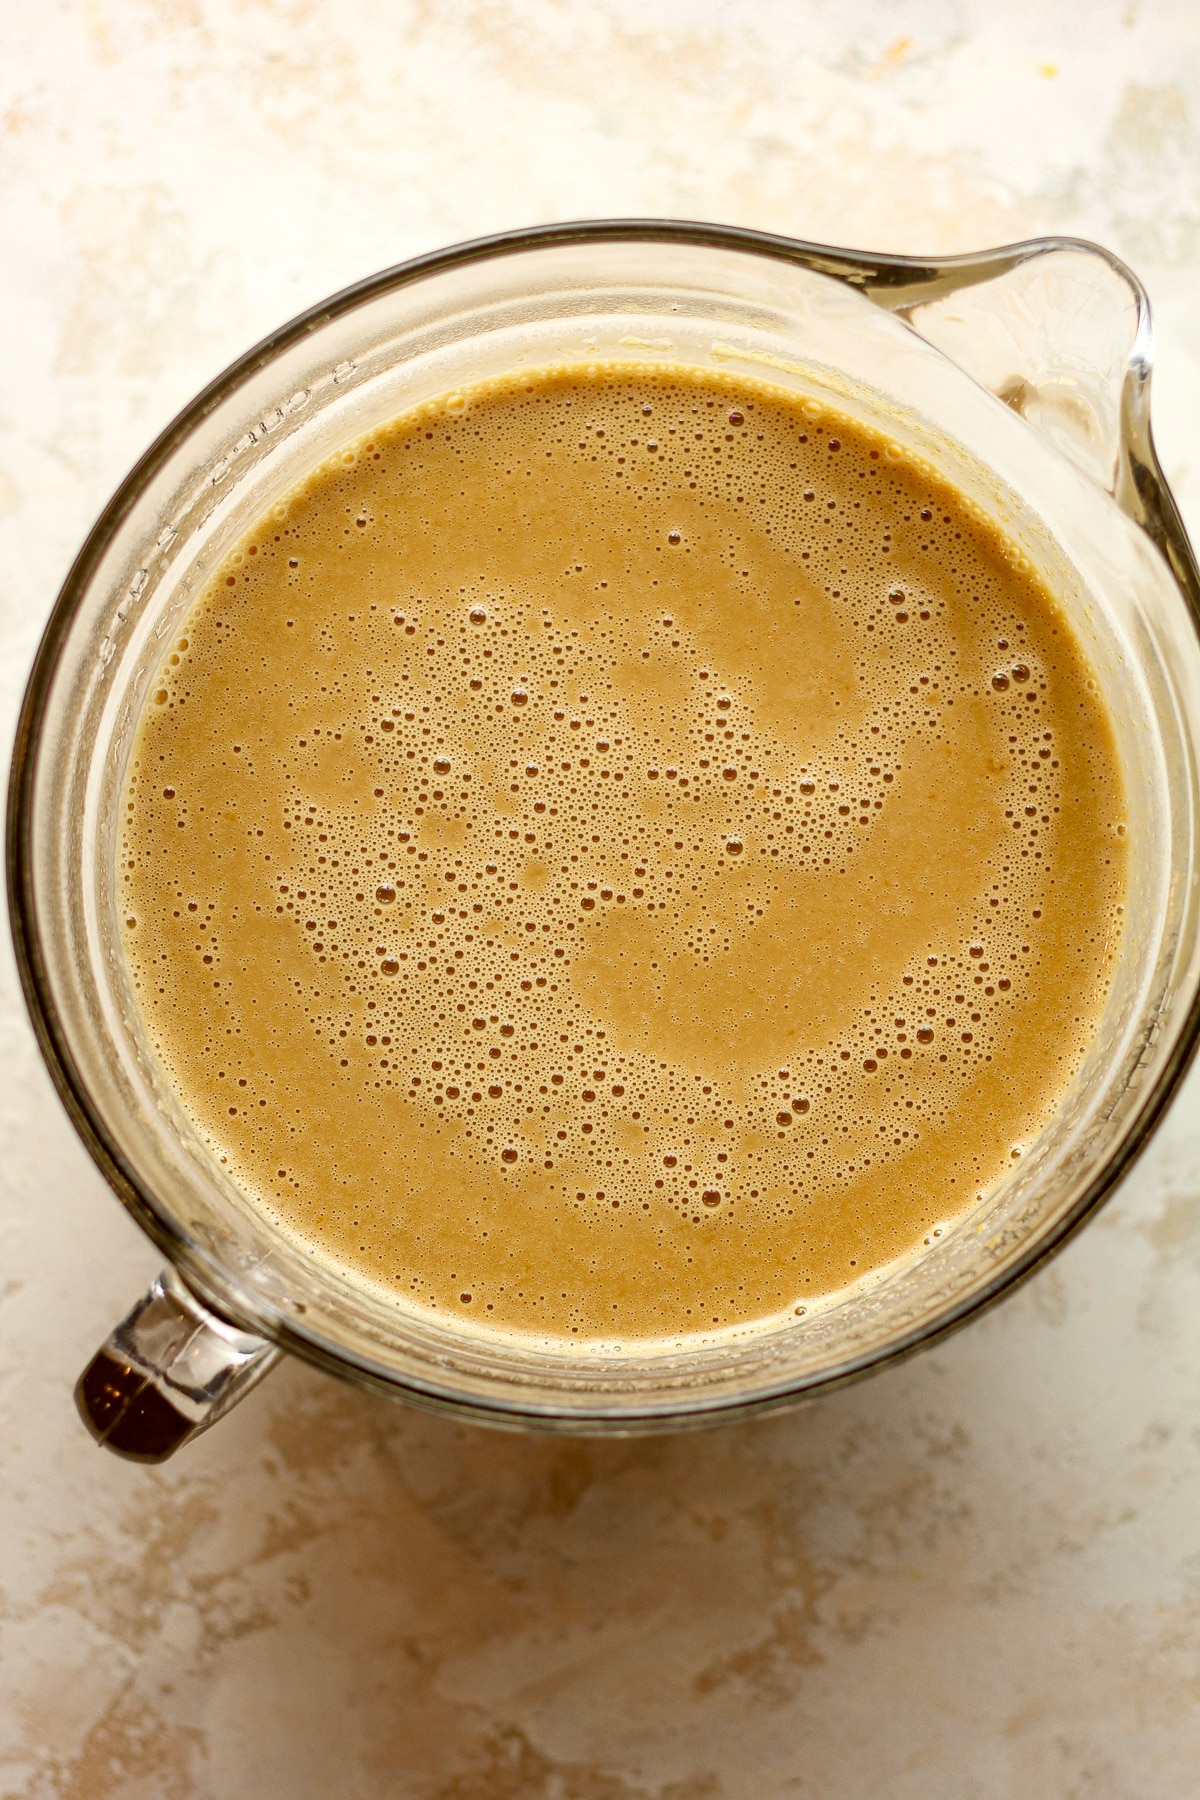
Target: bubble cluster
(622, 852)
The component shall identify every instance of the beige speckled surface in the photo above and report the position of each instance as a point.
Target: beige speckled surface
(974, 1578)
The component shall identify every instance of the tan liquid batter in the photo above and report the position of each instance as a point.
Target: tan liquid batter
(617, 853)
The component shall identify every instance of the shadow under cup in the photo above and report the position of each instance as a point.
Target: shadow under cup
(1020, 375)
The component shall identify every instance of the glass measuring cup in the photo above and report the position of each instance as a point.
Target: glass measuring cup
(1022, 374)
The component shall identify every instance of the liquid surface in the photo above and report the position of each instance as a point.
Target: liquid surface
(619, 852)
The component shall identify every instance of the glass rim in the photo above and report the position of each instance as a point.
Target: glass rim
(896, 281)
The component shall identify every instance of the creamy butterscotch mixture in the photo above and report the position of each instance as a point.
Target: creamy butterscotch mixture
(618, 852)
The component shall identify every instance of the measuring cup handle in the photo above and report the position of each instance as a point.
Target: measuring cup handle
(1060, 330)
(169, 1371)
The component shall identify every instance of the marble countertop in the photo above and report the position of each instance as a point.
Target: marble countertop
(975, 1577)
